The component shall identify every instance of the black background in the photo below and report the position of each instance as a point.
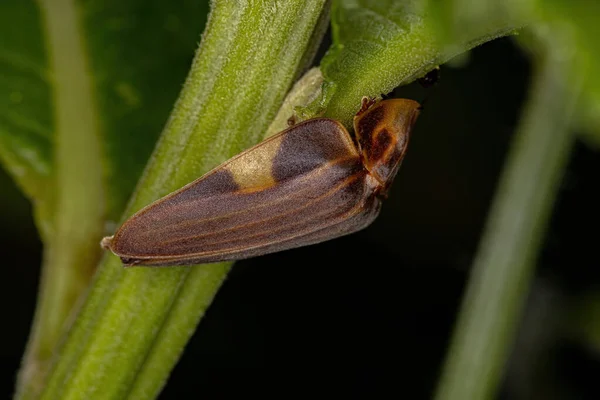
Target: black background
(372, 313)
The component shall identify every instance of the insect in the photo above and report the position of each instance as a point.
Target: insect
(431, 78)
(307, 184)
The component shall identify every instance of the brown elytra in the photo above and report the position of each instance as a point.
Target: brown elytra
(309, 183)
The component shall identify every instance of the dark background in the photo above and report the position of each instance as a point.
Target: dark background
(372, 313)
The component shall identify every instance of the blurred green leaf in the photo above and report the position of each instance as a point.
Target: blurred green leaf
(456, 20)
(140, 53)
(571, 24)
(26, 119)
(137, 54)
(577, 23)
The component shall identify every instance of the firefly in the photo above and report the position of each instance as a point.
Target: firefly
(310, 183)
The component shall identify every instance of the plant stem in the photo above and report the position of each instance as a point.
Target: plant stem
(71, 251)
(504, 264)
(136, 321)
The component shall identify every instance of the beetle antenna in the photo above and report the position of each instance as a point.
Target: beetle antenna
(430, 80)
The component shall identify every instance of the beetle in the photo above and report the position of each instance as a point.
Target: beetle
(310, 183)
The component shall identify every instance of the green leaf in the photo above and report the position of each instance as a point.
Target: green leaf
(457, 20)
(26, 118)
(571, 24)
(139, 54)
(381, 45)
(574, 25)
(88, 87)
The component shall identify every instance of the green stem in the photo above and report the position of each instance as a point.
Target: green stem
(72, 245)
(136, 321)
(504, 265)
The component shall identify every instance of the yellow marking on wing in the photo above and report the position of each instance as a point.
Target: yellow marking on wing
(253, 172)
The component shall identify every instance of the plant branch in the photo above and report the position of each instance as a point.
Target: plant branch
(71, 251)
(504, 265)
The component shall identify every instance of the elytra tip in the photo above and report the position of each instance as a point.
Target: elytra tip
(105, 242)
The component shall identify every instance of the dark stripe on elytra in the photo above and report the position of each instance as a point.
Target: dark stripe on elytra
(298, 203)
(218, 182)
(350, 222)
(144, 238)
(354, 219)
(295, 196)
(248, 236)
(361, 216)
(271, 199)
(265, 198)
(247, 231)
(307, 147)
